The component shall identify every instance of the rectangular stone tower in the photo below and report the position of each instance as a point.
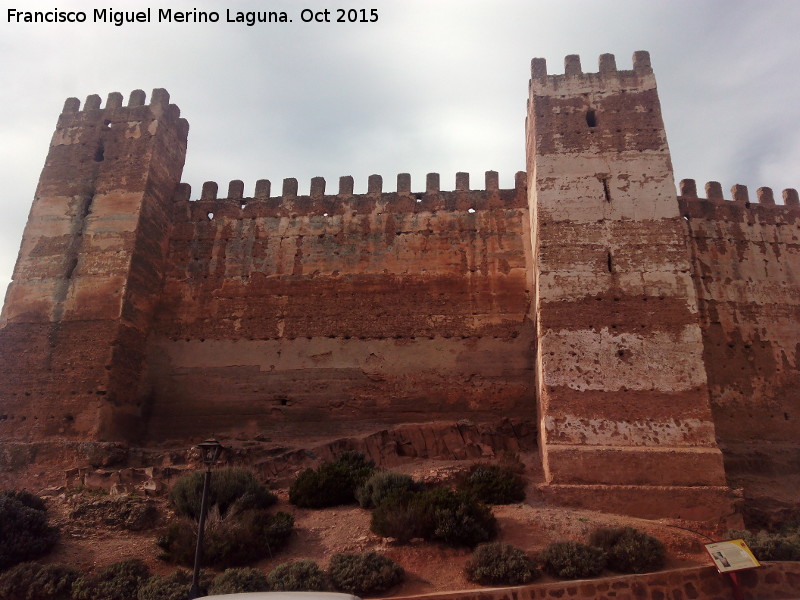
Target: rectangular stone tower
(89, 272)
(625, 422)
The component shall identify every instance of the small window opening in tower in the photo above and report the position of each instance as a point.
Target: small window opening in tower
(99, 153)
(591, 118)
(606, 189)
(610, 265)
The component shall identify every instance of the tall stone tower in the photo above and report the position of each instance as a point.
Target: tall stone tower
(625, 421)
(89, 272)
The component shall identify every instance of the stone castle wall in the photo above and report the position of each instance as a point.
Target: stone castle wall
(746, 268)
(330, 313)
(651, 340)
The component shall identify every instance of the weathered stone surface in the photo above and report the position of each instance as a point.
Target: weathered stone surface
(616, 312)
(773, 581)
(640, 333)
(746, 265)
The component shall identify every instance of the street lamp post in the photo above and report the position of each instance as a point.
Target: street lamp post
(210, 450)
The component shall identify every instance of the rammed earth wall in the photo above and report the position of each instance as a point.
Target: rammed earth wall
(323, 314)
(650, 340)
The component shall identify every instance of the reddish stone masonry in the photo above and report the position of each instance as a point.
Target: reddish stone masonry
(773, 581)
(648, 339)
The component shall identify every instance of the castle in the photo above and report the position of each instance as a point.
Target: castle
(651, 340)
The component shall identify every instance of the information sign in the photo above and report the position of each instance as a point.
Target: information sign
(732, 555)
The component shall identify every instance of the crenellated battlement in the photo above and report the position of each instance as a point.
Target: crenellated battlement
(636, 327)
(159, 97)
(317, 202)
(607, 65)
(739, 195)
(607, 78)
(114, 110)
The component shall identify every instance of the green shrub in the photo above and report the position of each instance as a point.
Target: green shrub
(571, 560)
(500, 564)
(235, 581)
(26, 498)
(230, 541)
(362, 574)
(781, 545)
(32, 581)
(493, 484)
(332, 483)
(230, 489)
(172, 587)
(119, 581)
(438, 514)
(24, 531)
(300, 576)
(404, 515)
(381, 485)
(462, 521)
(629, 550)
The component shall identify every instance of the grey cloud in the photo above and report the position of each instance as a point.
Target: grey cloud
(434, 86)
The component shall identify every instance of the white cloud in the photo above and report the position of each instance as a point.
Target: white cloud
(433, 86)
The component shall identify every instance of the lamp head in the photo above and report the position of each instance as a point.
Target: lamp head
(210, 451)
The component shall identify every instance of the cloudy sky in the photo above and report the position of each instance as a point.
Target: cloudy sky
(432, 86)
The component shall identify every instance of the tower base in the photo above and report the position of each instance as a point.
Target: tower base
(715, 506)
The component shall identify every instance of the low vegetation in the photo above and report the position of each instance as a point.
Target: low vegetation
(25, 533)
(629, 550)
(500, 564)
(300, 576)
(364, 574)
(783, 544)
(332, 483)
(231, 541)
(381, 485)
(236, 581)
(493, 484)
(33, 581)
(119, 581)
(439, 514)
(171, 587)
(230, 490)
(573, 560)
